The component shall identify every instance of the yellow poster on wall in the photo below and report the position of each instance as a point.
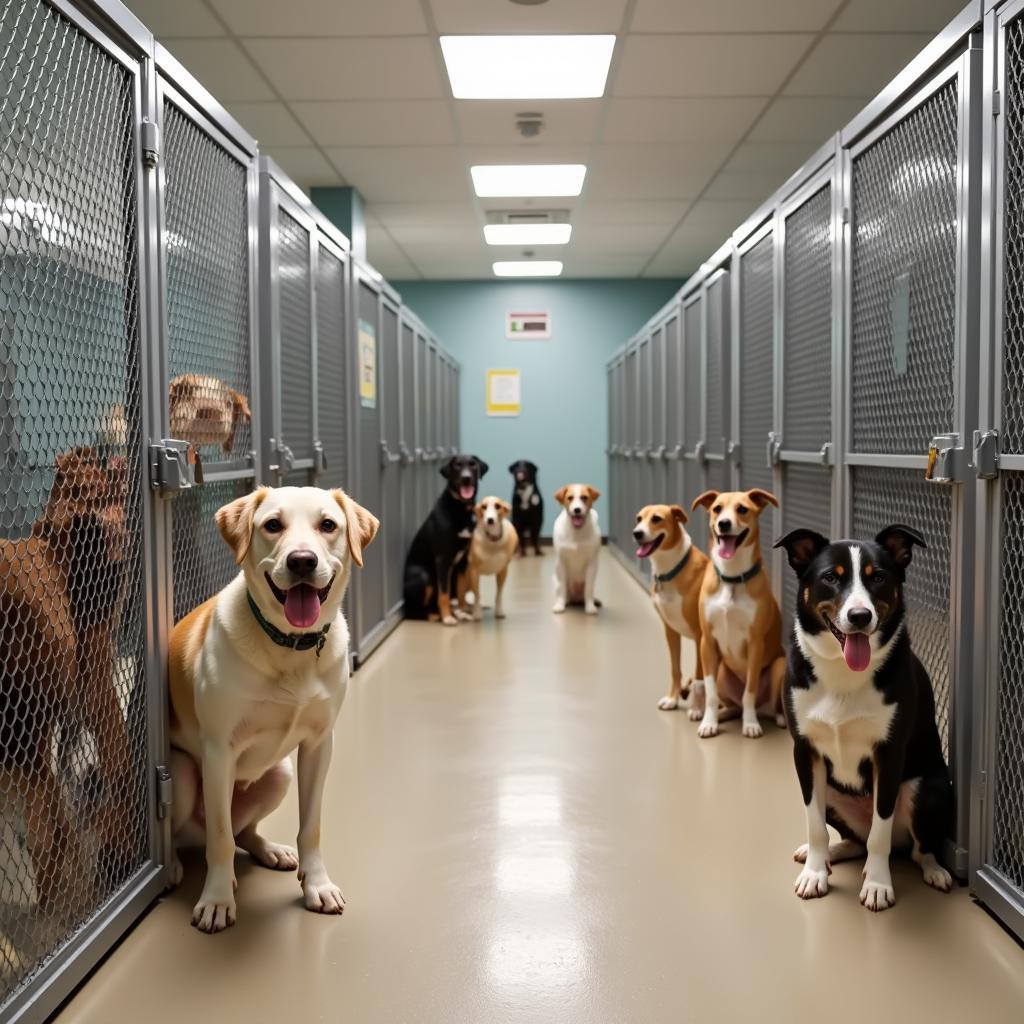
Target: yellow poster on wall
(503, 393)
(367, 365)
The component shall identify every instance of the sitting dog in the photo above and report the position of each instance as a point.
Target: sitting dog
(527, 505)
(259, 671)
(679, 569)
(491, 551)
(577, 540)
(439, 549)
(862, 716)
(740, 624)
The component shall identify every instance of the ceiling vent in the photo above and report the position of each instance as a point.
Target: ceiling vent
(527, 216)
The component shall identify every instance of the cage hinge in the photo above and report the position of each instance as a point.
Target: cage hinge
(947, 460)
(996, 103)
(164, 791)
(174, 466)
(150, 141)
(986, 454)
(284, 456)
(319, 457)
(773, 449)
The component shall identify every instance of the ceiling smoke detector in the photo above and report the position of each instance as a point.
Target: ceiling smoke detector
(529, 123)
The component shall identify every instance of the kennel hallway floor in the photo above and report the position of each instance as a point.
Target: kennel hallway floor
(523, 837)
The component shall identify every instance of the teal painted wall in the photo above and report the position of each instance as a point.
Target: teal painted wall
(563, 427)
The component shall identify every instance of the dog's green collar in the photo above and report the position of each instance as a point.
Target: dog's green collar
(295, 641)
(748, 575)
(667, 577)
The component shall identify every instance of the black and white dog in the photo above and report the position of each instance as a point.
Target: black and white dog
(527, 505)
(862, 715)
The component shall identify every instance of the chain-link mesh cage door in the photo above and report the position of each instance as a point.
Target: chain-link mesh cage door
(658, 490)
(674, 399)
(74, 821)
(407, 441)
(693, 423)
(209, 349)
(390, 540)
(332, 371)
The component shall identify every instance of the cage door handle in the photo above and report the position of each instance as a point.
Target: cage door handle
(319, 457)
(773, 449)
(174, 466)
(405, 455)
(946, 460)
(388, 457)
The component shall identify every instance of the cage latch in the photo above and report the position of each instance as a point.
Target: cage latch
(319, 457)
(826, 454)
(406, 456)
(149, 138)
(946, 460)
(284, 456)
(675, 454)
(700, 452)
(773, 448)
(986, 454)
(174, 466)
(387, 456)
(164, 791)
(734, 452)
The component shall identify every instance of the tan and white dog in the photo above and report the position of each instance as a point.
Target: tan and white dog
(577, 541)
(741, 628)
(259, 671)
(678, 572)
(491, 551)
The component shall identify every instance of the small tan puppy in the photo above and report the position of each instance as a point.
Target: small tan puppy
(491, 552)
(678, 572)
(741, 629)
(257, 671)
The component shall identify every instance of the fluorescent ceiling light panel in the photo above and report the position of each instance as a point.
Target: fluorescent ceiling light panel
(517, 181)
(527, 268)
(527, 234)
(527, 67)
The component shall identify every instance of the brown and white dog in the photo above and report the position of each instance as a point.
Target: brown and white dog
(678, 569)
(741, 628)
(577, 542)
(255, 672)
(491, 551)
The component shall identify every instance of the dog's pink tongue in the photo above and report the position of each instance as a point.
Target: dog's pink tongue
(857, 651)
(302, 606)
(467, 491)
(644, 550)
(726, 547)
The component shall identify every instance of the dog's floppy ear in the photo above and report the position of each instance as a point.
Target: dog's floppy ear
(561, 493)
(705, 500)
(899, 541)
(678, 512)
(446, 467)
(533, 468)
(504, 507)
(239, 411)
(234, 521)
(802, 547)
(361, 525)
(481, 465)
(478, 510)
(594, 493)
(512, 468)
(761, 497)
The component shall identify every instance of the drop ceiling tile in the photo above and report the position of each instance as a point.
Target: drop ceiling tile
(786, 157)
(485, 17)
(271, 124)
(633, 211)
(528, 153)
(377, 122)
(707, 65)
(461, 237)
(733, 15)
(680, 120)
(386, 258)
(320, 18)
(494, 121)
(395, 215)
(849, 64)
(793, 119)
(747, 185)
(904, 16)
(704, 230)
(306, 165)
(188, 18)
(595, 238)
(654, 172)
(403, 174)
(581, 264)
(349, 69)
(442, 266)
(222, 68)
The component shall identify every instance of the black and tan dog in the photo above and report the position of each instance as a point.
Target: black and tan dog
(439, 549)
(527, 505)
(862, 714)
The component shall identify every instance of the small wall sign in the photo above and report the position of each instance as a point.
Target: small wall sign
(527, 326)
(367, 344)
(503, 393)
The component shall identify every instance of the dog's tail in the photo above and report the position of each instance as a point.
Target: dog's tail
(420, 600)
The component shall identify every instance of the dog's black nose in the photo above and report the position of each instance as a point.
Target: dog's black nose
(638, 534)
(302, 563)
(859, 617)
(725, 526)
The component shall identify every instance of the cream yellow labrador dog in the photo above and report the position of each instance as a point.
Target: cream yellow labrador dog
(257, 672)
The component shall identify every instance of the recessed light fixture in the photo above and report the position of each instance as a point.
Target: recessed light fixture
(522, 180)
(562, 67)
(527, 234)
(527, 268)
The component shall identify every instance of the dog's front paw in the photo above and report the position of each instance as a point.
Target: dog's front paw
(877, 894)
(322, 896)
(696, 714)
(215, 910)
(591, 609)
(811, 882)
(559, 607)
(752, 728)
(708, 726)
(275, 856)
(937, 877)
(670, 703)
(450, 620)
(464, 616)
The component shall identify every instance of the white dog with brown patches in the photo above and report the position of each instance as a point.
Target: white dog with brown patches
(577, 542)
(259, 671)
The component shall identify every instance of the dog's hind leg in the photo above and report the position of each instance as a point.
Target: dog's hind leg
(930, 825)
(251, 805)
(499, 611)
(674, 699)
(185, 785)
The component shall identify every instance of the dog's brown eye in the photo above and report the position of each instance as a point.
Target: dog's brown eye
(273, 526)
(717, 509)
(655, 519)
(328, 525)
(742, 509)
(829, 577)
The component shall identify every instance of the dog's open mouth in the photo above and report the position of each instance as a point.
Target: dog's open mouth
(467, 492)
(729, 542)
(649, 547)
(856, 646)
(578, 518)
(301, 602)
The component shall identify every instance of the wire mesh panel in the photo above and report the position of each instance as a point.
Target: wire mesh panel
(903, 300)
(806, 504)
(295, 366)
(428, 485)
(692, 417)
(674, 399)
(74, 822)
(332, 371)
(757, 356)
(390, 540)
(658, 488)
(631, 407)
(716, 383)
(407, 441)
(882, 496)
(206, 258)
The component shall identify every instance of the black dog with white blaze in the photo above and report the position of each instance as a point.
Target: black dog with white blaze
(861, 712)
(527, 505)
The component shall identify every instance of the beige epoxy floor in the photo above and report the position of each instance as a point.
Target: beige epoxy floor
(523, 837)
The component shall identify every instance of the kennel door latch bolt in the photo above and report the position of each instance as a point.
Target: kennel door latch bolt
(947, 461)
(986, 454)
(174, 466)
(164, 791)
(149, 139)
